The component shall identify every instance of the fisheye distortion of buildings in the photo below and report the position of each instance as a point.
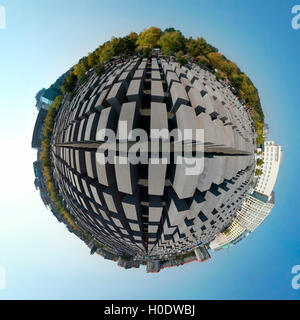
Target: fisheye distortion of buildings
(155, 214)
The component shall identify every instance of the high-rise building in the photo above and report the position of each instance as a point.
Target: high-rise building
(266, 131)
(230, 234)
(45, 97)
(38, 130)
(257, 204)
(272, 156)
(255, 210)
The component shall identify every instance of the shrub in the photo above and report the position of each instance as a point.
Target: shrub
(181, 58)
(258, 172)
(259, 162)
(99, 69)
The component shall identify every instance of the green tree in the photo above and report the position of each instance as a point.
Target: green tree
(216, 60)
(258, 172)
(99, 69)
(202, 60)
(181, 58)
(69, 83)
(237, 81)
(259, 162)
(144, 52)
(171, 29)
(81, 67)
(149, 38)
(197, 47)
(219, 76)
(106, 52)
(133, 36)
(131, 43)
(92, 59)
(230, 68)
(171, 42)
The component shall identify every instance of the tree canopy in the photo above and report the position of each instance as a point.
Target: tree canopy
(259, 162)
(199, 46)
(46, 165)
(172, 42)
(149, 38)
(258, 172)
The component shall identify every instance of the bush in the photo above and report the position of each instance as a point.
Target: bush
(181, 58)
(144, 52)
(258, 172)
(70, 83)
(83, 79)
(99, 69)
(219, 76)
(259, 162)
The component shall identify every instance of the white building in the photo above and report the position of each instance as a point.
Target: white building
(272, 155)
(254, 210)
(230, 234)
(259, 201)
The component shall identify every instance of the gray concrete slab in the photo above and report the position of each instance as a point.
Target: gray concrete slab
(157, 91)
(178, 96)
(135, 90)
(117, 96)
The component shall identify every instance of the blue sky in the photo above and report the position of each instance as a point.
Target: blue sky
(42, 40)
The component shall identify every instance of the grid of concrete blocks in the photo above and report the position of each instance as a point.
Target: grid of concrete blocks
(153, 210)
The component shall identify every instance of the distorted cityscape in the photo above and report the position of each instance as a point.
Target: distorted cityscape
(154, 214)
(150, 154)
